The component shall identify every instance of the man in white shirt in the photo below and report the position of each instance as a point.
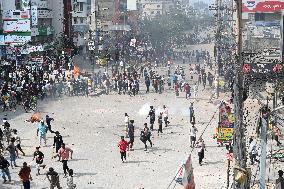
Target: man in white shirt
(192, 132)
(126, 121)
(252, 151)
(166, 115)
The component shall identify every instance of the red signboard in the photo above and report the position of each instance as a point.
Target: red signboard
(264, 6)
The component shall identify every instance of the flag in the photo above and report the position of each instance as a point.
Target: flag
(76, 70)
(184, 174)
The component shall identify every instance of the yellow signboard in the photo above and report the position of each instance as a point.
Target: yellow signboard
(225, 134)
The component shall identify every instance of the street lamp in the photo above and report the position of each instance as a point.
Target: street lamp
(263, 138)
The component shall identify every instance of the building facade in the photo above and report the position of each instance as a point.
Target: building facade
(150, 9)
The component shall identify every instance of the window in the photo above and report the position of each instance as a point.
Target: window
(81, 20)
(152, 12)
(75, 21)
(18, 4)
(81, 6)
(158, 12)
(259, 16)
(158, 6)
(143, 6)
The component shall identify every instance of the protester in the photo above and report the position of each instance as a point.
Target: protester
(25, 176)
(146, 136)
(38, 156)
(48, 122)
(70, 183)
(4, 168)
(160, 123)
(63, 154)
(126, 121)
(41, 132)
(13, 153)
(280, 180)
(18, 142)
(252, 151)
(53, 178)
(166, 115)
(123, 145)
(201, 149)
(192, 132)
(131, 134)
(57, 141)
(151, 114)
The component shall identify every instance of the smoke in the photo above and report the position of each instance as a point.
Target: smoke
(176, 109)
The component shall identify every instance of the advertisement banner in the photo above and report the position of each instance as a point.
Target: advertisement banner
(262, 6)
(225, 134)
(225, 129)
(17, 39)
(34, 15)
(15, 15)
(16, 26)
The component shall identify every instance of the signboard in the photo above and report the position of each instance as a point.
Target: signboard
(45, 14)
(262, 6)
(34, 15)
(225, 134)
(16, 26)
(17, 39)
(131, 5)
(15, 14)
(42, 4)
(225, 128)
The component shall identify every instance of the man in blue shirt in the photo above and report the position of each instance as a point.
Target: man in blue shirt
(41, 132)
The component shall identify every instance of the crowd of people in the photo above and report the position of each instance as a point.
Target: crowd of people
(10, 142)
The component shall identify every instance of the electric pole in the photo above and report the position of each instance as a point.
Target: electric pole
(239, 135)
(218, 41)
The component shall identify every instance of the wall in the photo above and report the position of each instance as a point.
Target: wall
(57, 22)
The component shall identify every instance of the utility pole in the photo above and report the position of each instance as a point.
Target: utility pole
(218, 41)
(239, 135)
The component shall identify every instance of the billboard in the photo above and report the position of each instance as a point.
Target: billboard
(16, 26)
(15, 15)
(265, 6)
(131, 5)
(17, 39)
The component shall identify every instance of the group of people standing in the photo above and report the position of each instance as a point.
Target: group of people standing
(145, 133)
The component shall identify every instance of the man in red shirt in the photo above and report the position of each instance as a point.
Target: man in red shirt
(123, 145)
(25, 175)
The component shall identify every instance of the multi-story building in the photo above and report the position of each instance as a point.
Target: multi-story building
(81, 12)
(42, 16)
(105, 15)
(151, 8)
